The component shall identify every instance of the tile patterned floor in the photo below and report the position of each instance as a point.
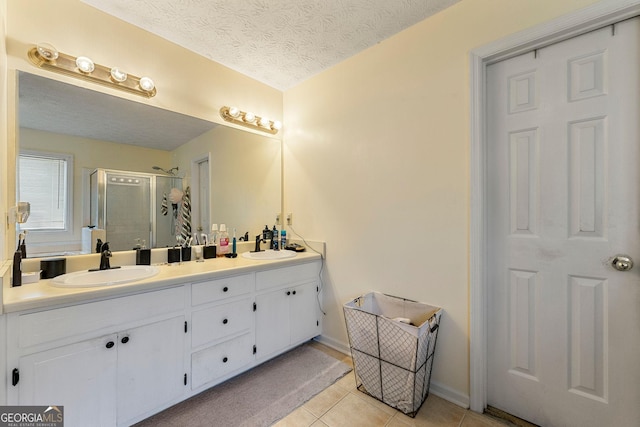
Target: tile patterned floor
(342, 405)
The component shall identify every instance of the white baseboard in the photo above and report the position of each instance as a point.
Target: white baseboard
(449, 394)
(334, 344)
(439, 390)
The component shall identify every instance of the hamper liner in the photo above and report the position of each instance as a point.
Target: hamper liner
(392, 359)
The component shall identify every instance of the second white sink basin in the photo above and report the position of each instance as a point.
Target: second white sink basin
(115, 276)
(269, 254)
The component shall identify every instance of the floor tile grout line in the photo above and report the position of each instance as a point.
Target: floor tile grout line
(331, 407)
(464, 415)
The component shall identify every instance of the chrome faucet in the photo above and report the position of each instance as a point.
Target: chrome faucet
(259, 239)
(104, 257)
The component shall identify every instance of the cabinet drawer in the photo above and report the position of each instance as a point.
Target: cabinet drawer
(219, 289)
(222, 359)
(224, 320)
(287, 275)
(52, 325)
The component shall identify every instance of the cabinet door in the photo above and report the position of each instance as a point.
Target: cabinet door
(81, 377)
(303, 308)
(150, 367)
(272, 322)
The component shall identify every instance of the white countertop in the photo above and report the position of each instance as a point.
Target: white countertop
(42, 294)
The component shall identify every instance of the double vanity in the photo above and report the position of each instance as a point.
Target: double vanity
(114, 350)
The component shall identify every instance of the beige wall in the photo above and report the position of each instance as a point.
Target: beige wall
(245, 177)
(376, 163)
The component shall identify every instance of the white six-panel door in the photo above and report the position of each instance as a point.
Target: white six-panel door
(563, 186)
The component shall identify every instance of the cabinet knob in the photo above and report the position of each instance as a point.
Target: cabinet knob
(288, 292)
(225, 321)
(110, 344)
(225, 289)
(225, 359)
(124, 340)
(294, 292)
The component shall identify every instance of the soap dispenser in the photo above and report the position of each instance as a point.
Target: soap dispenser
(266, 233)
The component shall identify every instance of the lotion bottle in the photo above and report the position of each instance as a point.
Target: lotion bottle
(223, 241)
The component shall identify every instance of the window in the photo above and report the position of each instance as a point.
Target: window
(45, 181)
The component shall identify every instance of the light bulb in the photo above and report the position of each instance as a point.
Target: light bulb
(47, 51)
(85, 64)
(234, 112)
(249, 117)
(276, 125)
(117, 75)
(264, 122)
(147, 84)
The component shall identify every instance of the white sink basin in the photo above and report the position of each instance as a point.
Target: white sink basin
(115, 276)
(269, 254)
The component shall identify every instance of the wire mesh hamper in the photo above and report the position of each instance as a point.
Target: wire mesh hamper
(392, 359)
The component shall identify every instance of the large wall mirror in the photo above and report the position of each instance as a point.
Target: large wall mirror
(66, 134)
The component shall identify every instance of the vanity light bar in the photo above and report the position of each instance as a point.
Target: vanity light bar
(250, 120)
(47, 57)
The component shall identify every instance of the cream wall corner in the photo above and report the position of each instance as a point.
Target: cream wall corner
(4, 135)
(376, 163)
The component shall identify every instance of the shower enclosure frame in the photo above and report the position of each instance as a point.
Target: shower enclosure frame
(98, 200)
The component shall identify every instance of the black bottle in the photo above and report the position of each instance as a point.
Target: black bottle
(266, 233)
(16, 280)
(274, 239)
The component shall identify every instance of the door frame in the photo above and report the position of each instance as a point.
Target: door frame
(601, 14)
(195, 190)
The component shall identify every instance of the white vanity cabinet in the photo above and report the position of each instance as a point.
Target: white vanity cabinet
(287, 308)
(116, 360)
(107, 362)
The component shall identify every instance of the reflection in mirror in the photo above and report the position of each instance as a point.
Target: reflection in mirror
(134, 208)
(99, 131)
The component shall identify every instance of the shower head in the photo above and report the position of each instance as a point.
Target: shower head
(171, 171)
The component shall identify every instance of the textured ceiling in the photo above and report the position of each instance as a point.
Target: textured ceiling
(278, 42)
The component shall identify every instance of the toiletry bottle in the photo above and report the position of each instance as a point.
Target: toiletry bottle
(23, 245)
(274, 238)
(223, 241)
(213, 237)
(266, 233)
(233, 247)
(283, 238)
(16, 279)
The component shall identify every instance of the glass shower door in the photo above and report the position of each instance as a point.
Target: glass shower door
(128, 210)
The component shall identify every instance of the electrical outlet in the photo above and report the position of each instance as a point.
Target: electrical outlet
(278, 219)
(289, 218)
